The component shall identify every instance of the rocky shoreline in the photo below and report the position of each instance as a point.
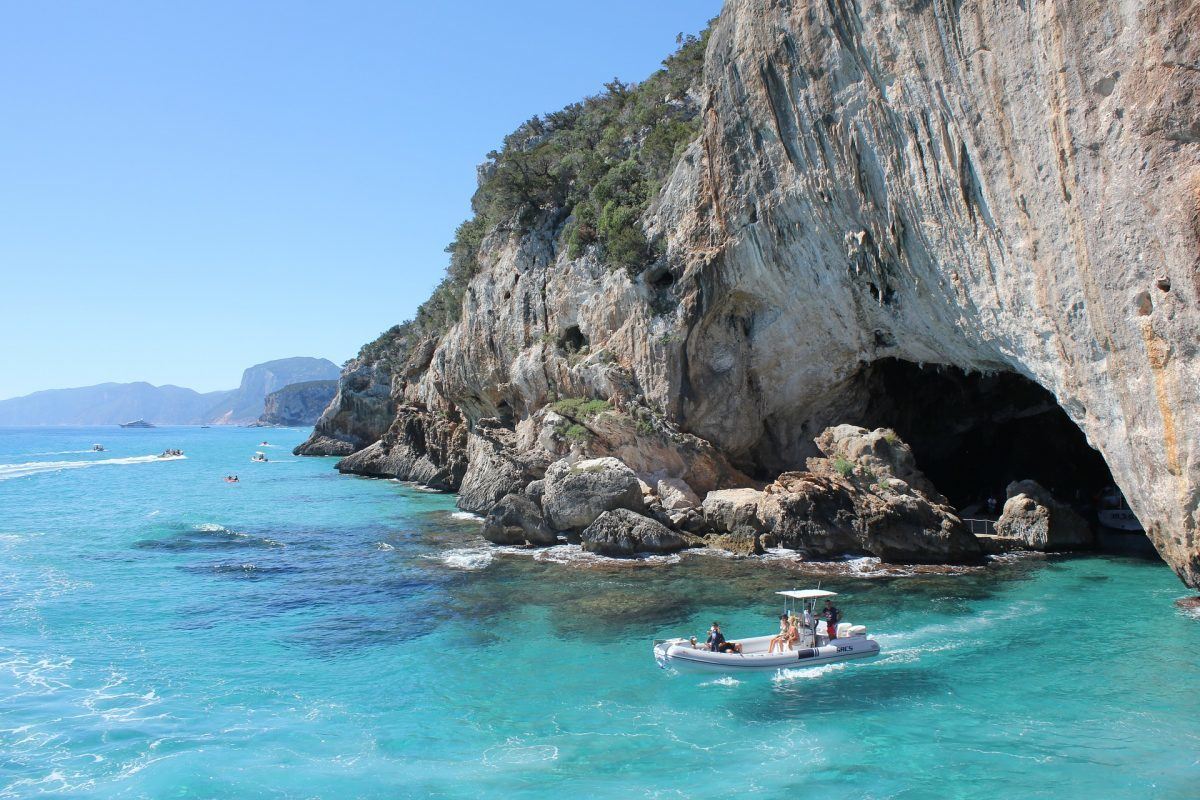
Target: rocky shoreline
(864, 497)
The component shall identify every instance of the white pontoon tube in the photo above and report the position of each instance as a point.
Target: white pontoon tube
(813, 648)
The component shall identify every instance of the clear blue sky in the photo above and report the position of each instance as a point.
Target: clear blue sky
(190, 188)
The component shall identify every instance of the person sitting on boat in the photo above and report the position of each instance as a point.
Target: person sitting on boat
(696, 646)
(780, 641)
(717, 643)
(832, 615)
(793, 632)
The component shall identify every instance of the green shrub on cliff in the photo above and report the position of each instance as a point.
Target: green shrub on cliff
(594, 165)
(597, 163)
(579, 408)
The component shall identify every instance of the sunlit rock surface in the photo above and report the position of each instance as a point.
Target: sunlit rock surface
(995, 187)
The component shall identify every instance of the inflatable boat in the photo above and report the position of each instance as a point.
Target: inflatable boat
(814, 647)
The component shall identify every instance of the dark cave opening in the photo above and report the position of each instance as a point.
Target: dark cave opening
(572, 339)
(973, 434)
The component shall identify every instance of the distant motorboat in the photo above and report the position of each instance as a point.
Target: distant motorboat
(170, 453)
(259, 457)
(97, 448)
(137, 423)
(1115, 513)
(232, 479)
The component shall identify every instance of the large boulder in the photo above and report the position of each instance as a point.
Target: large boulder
(1032, 516)
(866, 498)
(516, 519)
(676, 495)
(576, 494)
(496, 466)
(726, 510)
(743, 541)
(622, 533)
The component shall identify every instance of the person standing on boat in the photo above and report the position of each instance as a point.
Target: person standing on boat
(832, 615)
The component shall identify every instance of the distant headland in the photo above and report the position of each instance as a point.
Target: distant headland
(119, 403)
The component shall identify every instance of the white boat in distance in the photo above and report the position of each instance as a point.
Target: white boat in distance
(813, 648)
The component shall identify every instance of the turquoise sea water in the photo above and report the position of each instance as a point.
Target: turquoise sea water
(305, 634)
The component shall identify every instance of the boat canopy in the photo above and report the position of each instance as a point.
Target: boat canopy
(807, 594)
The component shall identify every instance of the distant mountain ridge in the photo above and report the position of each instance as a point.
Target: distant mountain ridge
(113, 403)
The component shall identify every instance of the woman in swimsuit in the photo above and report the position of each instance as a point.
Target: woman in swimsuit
(780, 641)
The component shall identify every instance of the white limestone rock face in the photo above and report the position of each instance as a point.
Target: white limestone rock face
(995, 187)
(991, 186)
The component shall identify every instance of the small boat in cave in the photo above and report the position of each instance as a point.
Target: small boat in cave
(814, 647)
(1116, 514)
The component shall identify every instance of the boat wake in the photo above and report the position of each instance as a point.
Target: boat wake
(793, 675)
(9, 471)
(728, 680)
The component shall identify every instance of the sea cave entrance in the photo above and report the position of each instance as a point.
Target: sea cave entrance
(973, 434)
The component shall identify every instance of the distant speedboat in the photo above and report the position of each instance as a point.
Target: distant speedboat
(814, 646)
(97, 448)
(260, 457)
(137, 423)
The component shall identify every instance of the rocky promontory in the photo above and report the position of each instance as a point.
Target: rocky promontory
(822, 227)
(297, 404)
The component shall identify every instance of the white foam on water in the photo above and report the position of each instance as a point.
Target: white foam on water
(781, 554)
(793, 675)
(209, 527)
(858, 566)
(466, 515)
(1014, 555)
(714, 552)
(10, 471)
(59, 453)
(467, 558)
(1189, 607)
(384, 546)
(728, 680)
(573, 554)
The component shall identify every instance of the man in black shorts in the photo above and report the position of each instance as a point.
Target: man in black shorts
(717, 643)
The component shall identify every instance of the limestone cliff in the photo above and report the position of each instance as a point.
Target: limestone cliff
(998, 189)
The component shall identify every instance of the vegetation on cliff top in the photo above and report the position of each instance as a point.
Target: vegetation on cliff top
(596, 164)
